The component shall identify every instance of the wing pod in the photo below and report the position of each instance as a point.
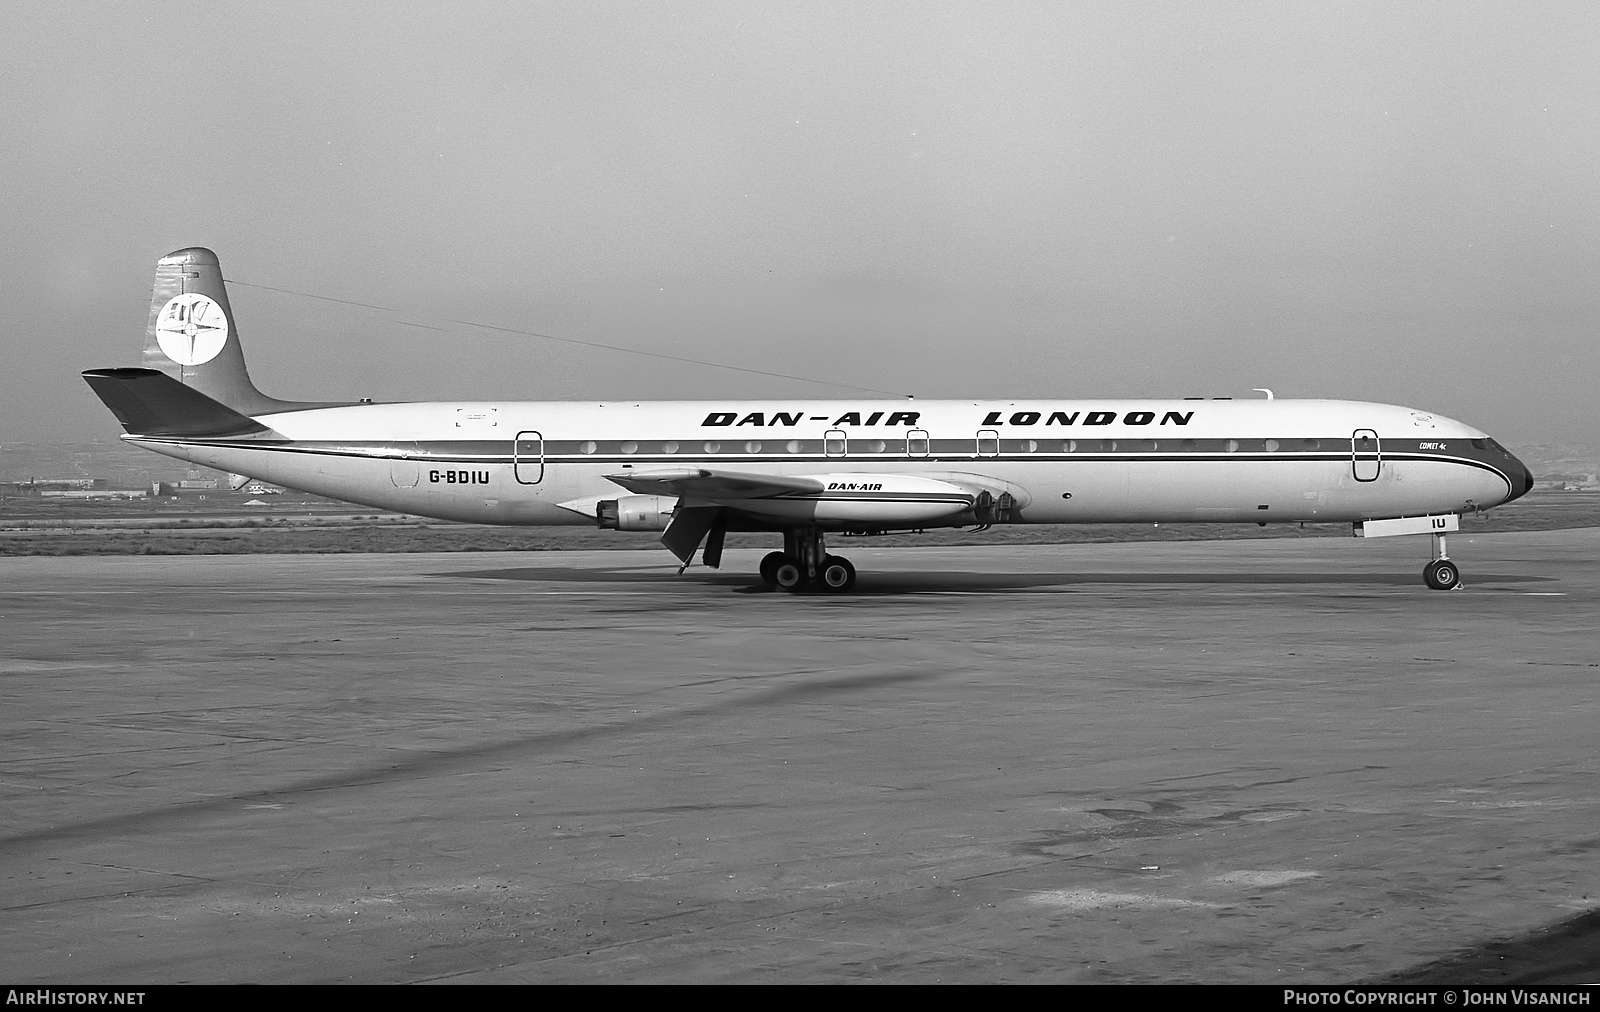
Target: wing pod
(870, 500)
(834, 500)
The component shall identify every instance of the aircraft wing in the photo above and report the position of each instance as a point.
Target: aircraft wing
(701, 485)
(709, 498)
(704, 497)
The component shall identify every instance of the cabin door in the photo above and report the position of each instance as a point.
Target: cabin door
(403, 467)
(527, 457)
(1366, 455)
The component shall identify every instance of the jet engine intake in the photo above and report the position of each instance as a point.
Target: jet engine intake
(635, 513)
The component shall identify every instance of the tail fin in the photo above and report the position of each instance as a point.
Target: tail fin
(192, 337)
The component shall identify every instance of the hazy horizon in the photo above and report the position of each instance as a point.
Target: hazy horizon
(1359, 201)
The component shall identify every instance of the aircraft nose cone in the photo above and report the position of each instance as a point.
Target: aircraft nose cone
(1521, 478)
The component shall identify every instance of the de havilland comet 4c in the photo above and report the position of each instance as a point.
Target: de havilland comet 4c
(802, 468)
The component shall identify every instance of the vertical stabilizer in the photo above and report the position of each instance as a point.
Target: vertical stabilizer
(192, 337)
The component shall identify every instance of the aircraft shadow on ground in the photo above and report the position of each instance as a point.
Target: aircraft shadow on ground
(485, 756)
(963, 581)
(1565, 952)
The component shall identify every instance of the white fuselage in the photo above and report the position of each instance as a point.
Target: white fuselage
(1064, 461)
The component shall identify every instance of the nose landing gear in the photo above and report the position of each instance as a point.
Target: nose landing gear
(805, 561)
(1441, 573)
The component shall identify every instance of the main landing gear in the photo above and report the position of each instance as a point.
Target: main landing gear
(1441, 573)
(805, 562)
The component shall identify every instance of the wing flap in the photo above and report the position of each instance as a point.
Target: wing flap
(688, 528)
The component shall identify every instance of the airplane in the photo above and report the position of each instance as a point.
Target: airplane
(799, 467)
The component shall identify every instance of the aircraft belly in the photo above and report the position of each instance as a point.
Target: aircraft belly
(367, 481)
(1233, 491)
(478, 494)
(1414, 487)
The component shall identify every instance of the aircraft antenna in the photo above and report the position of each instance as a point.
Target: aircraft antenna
(571, 340)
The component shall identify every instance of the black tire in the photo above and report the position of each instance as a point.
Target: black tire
(836, 574)
(1441, 574)
(769, 567)
(790, 576)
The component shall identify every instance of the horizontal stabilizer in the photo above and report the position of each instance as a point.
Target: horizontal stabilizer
(150, 403)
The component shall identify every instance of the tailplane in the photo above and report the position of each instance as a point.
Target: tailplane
(150, 403)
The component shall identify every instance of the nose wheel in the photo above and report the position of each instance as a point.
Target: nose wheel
(1441, 573)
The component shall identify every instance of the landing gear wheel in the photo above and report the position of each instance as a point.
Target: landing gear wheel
(1441, 574)
(790, 575)
(769, 567)
(836, 574)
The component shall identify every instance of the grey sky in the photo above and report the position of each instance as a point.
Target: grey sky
(1386, 202)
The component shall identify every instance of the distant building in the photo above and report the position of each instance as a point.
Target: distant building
(159, 488)
(94, 493)
(41, 485)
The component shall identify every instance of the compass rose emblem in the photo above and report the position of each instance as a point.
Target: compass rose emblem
(191, 329)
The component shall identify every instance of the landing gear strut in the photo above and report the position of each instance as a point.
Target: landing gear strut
(1441, 573)
(804, 561)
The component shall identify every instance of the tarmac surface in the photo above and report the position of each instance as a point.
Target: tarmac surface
(1276, 762)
